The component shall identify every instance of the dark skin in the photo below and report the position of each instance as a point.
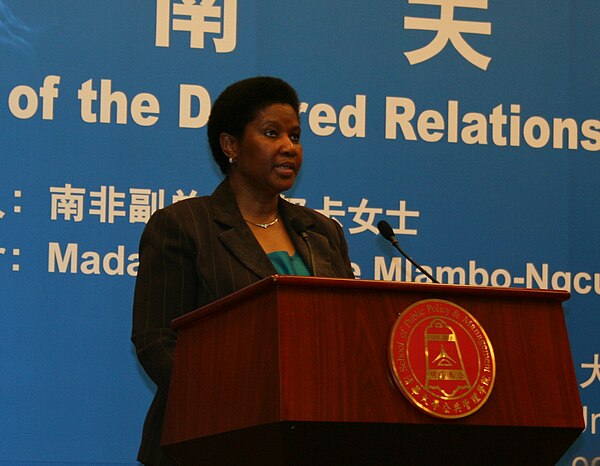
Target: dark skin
(266, 162)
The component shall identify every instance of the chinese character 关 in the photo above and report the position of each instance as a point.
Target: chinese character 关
(449, 29)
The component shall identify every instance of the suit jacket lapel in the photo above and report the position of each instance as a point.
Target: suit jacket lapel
(318, 242)
(238, 238)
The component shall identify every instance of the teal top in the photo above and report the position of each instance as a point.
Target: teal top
(286, 265)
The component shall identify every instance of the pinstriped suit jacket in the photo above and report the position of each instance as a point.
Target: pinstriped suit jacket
(195, 252)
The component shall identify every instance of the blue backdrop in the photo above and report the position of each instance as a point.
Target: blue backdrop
(476, 137)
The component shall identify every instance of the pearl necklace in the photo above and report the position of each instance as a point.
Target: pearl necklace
(263, 225)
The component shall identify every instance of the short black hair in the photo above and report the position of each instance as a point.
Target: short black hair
(239, 104)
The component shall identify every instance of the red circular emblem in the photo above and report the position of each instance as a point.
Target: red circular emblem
(442, 359)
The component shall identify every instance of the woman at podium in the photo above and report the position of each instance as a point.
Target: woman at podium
(199, 250)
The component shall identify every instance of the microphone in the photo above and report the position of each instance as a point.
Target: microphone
(299, 225)
(388, 233)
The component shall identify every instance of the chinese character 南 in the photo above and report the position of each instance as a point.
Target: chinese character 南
(595, 367)
(449, 29)
(67, 202)
(198, 18)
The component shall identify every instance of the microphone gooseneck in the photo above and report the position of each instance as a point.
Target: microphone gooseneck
(388, 233)
(299, 226)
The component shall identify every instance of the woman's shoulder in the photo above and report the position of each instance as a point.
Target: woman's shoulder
(187, 203)
(184, 210)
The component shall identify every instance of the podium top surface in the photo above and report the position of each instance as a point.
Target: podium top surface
(434, 290)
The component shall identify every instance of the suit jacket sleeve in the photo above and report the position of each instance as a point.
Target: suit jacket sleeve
(165, 289)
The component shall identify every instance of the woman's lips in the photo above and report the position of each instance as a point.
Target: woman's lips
(285, 169)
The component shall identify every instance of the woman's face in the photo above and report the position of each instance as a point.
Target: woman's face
(268, 157)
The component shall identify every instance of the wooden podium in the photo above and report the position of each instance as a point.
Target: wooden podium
(294, 371)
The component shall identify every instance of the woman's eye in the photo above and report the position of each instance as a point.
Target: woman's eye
(295, 137)
(271, 133)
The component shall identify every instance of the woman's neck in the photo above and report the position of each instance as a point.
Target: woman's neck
(255, 206)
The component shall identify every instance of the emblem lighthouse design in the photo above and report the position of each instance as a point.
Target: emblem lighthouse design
(445, 371)
(441, 358)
